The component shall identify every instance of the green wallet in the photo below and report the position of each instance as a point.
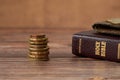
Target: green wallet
(111, 26)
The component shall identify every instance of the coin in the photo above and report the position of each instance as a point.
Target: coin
(39, 53)
(39, 49)
(39, 59)
(38, 36)
(38, 46)
(39, 43)
(38, 39)
(38, 56)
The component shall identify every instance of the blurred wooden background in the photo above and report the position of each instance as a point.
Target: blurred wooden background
(21, 18)
(56, 13)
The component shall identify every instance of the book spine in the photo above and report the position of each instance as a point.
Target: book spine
(93, 47)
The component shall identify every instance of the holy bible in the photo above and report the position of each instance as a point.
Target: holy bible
(94, 45)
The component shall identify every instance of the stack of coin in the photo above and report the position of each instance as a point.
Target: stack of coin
(38, 47)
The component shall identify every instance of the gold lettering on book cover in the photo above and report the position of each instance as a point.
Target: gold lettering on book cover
(118, 56)
(80, 42)
(97, 48)
(100, 48)
(103, 48)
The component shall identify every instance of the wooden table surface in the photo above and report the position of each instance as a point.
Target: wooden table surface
(63, 65)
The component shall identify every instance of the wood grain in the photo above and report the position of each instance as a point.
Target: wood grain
(15, 64)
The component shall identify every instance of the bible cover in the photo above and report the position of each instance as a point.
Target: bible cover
(94, 45)
(111, 26)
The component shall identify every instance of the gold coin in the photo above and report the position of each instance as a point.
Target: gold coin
(39, 59)
(38, 56)
(38, 36)
(39, 49)
(38, 46)
(39, 43)
(38, 39)
(39, 53)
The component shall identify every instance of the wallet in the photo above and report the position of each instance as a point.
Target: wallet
(111, 26)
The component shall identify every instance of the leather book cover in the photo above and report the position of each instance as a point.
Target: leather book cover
(94, 45)
(111, 26)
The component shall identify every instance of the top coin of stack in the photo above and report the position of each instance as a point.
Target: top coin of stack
(38, 47)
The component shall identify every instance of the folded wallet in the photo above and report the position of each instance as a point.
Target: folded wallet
(111, 26)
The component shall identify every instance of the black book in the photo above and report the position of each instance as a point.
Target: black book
(95, 45)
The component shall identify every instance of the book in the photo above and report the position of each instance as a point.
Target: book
(94, 45)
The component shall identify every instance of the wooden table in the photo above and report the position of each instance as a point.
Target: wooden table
(63, 65)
